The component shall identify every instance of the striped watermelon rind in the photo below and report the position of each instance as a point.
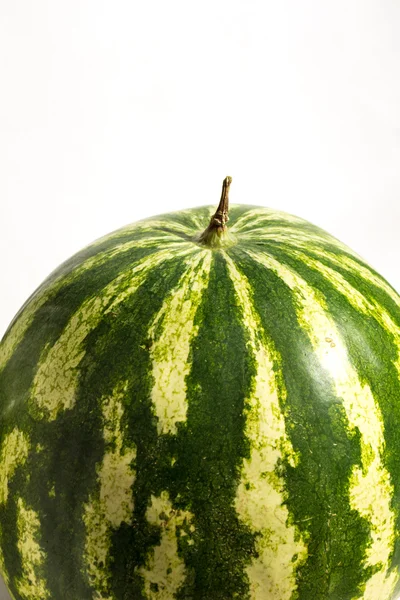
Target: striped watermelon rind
(186, 422)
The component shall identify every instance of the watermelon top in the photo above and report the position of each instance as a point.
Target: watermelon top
(180, 420)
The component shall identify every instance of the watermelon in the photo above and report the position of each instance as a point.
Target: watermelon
(196, 409)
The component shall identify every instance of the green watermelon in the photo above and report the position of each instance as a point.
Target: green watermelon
(191, 410)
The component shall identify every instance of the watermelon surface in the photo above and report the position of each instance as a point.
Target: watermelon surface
(185, 422)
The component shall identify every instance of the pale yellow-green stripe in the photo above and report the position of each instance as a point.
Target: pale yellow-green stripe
(14, 452)
(370, 308)
(370, 486)
(301, 238)
(19, 328)
(55, 382)
(261, 492)
(31, 585)
(112, 504)
(262, 216)
(199, 221)
(164, 569)
(368, 275)
(173, 330)
(286, 234)
(349, 265)
(373, 310)
(150, 226)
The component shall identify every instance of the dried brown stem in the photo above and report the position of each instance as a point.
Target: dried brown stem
(219, 219)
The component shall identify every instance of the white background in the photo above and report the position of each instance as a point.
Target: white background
(111, 111)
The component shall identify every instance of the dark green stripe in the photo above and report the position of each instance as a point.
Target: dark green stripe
(211, 446)
(318, 486)
(187, 218)
(8, 521)
(368, 289)
(113, 353)
(79, 258)
(119, 352)
(372, 354)
(50, 320)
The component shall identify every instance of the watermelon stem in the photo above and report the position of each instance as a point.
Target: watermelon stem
(216, 234)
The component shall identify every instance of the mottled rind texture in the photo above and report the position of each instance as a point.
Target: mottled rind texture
(179, 422)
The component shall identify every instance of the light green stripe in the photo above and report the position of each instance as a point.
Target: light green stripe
(112, 504)
(378, 584)
(170, 350)
(369, 276)
(164, 571)
(199, 221)
(370, 487)
(351, 266)
(19, 328)
(54, 385)
(30, 586)
(14, 452)
(263, 216)
(297, 237)
(151, 227)
(261, 495)
(369, 308)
